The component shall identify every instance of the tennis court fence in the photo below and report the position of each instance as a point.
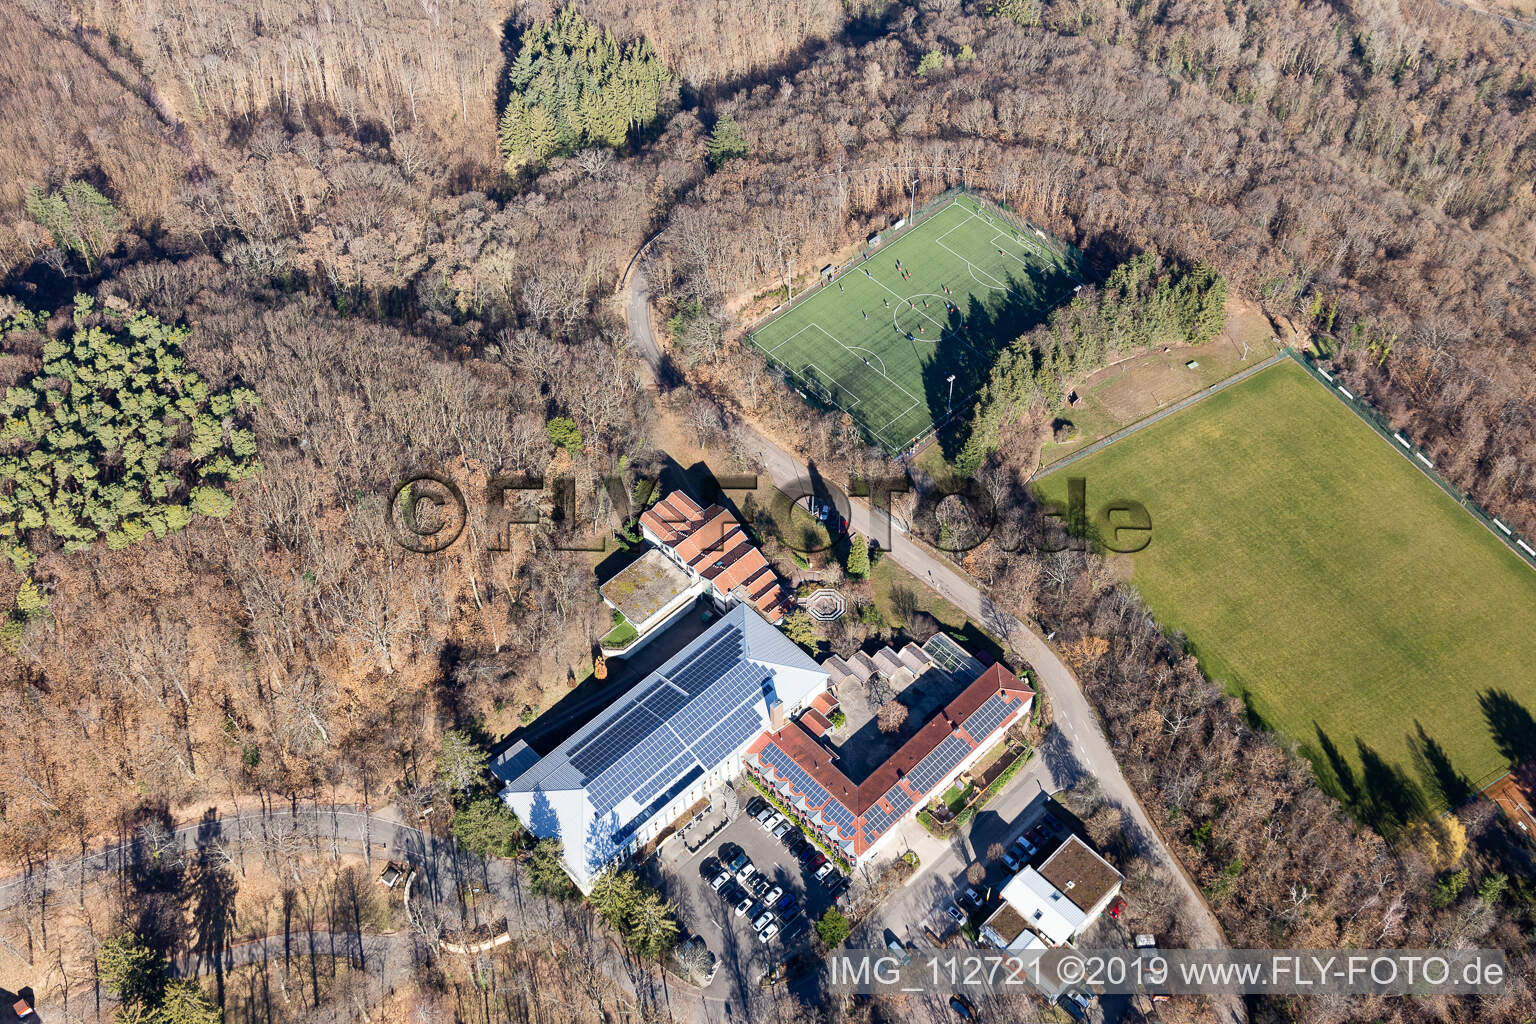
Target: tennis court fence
(1525, 550)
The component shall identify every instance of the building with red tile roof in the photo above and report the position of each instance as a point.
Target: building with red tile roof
(854, 817)
(711, 546)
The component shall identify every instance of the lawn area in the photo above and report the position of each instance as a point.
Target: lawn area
(955, 797)
(621, 635)
(896, 591)
(936, 302)
(1316, 572)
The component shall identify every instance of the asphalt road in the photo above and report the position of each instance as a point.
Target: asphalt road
(1074, 715)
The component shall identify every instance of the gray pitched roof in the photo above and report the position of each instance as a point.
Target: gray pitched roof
(686, 718)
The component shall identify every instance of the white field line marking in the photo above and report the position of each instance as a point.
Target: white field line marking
(882, 428)
(828, 379)
(787, 340)
(872, 355)
(1025, 244)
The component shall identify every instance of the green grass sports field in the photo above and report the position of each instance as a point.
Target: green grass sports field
(1321, 575)
(939, 299)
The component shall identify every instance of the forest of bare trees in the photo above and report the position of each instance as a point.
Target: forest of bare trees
(315, 191)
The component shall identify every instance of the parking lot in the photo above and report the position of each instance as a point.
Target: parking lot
(752, 919)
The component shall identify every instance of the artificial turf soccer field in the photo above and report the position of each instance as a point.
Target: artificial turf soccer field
(1324, 577)
(881, 343)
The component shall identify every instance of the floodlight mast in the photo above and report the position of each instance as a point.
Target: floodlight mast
(949, 403)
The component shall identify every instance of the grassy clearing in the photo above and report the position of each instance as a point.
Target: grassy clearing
(895, 590)
(1316, 572)
(882, 342)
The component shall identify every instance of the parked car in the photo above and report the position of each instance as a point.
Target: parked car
(954, 913)
(972, 897)
(839, 887)
(755, 806)
(767, 932)
(782, 829)
(732, 893)
(789, 914)
(709, 869)
(814, 859)
(792, 839)
(784, 901)
(761, 919)
(764, 812)
(796, 844)
(1075, 1003)
(745, 871)
(718, 882)
(745, 904)
(773, 895)
(962, 1007)
(1012, 862)
(738, 862)
(772, 821)
(825, 869)
(903, 954)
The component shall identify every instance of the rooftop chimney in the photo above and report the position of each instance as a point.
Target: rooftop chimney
(776, 715)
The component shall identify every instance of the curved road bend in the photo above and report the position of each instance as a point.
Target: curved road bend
(1074, 713)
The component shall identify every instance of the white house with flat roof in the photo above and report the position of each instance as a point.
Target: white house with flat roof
(1066, 894)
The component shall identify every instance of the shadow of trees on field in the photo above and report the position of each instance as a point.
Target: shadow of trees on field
(1384, 795)
(1434, 766)
(1512, 725)
(1381, 794)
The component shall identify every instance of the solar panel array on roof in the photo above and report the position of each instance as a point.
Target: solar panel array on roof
(838, 814)
(808, 787)
(737, 729)
(940, 762)
(614, 741)
(985, 719)
(708, 664)
(741, 683)
(664, 699)
(662, 779)
(877, 820)
(623, 835)
(635, 765)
